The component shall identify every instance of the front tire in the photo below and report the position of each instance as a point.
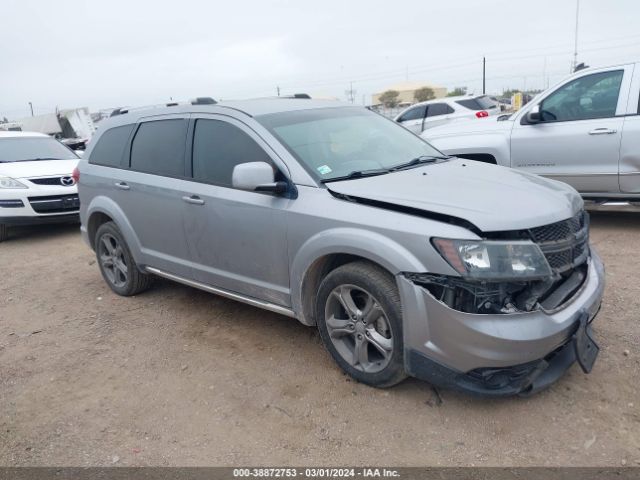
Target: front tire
(116, 263)
(359, 317)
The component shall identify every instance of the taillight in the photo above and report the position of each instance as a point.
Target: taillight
(482, 114)
(75, 175)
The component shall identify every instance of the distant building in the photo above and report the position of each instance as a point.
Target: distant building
(407, 91)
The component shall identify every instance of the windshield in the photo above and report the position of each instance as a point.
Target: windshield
(335, 142)
(29, 149)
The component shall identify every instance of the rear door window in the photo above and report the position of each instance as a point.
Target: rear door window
(110, 147)
(158, 147)
(437, 109)
(416, 113)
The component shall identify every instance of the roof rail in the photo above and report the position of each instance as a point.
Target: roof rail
(297, 95)
(203, 101)
(195, 101)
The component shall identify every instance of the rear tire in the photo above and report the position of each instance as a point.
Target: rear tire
(4, 232)
(359, 316)
(116, 263)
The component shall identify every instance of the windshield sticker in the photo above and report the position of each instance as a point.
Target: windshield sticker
(324, 169)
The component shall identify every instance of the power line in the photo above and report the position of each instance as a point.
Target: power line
(398, 73)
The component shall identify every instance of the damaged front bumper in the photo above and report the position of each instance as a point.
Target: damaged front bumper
(495, 354)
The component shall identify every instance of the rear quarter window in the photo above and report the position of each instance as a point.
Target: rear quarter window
(110, 147)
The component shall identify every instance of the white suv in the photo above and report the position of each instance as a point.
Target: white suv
(584, 131)
(432, 113)
(36, 181)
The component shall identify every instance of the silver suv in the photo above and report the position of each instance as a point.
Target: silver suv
(409, 262)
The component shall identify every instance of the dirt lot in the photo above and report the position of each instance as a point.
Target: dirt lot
(180, 377)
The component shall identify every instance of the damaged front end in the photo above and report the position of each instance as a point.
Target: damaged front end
(501, 297)
(509, 272)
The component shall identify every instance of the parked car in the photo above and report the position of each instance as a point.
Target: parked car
(409, 262)
(36, 182)
(429, 114)
(585, 131)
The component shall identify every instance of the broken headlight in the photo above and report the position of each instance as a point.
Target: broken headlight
(494, 260)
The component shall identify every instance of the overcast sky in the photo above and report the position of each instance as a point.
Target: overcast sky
(106, 53)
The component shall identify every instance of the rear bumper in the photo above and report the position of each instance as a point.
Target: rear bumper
(455, 349)
(85, 236)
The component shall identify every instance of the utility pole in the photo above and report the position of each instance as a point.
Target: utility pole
(484, 75)
(31, 107)
(278, 90)
(575, 45)
(351, 93)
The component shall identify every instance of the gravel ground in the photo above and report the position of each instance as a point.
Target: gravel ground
(180, 377)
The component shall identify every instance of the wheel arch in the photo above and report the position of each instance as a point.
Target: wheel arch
(478, 157)
(482, 146)
(102, 210)
(326, 251)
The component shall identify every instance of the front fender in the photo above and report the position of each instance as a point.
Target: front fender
(375, 247)
(110, 208)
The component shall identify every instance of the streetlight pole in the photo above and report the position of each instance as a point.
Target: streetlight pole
(575, 45)
(31, 107)
(484, 75)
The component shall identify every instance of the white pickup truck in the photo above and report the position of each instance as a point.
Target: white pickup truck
(584, 131)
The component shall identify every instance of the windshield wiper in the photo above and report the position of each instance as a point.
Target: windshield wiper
(419, 161)
(357, 174)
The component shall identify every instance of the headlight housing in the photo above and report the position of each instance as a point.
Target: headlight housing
(8, 182)
(494, 260)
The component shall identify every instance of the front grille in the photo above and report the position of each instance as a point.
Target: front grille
(565, 244)
(66, 181)
(559, 260)
(46, 181)
(559, 230)
(55, 203)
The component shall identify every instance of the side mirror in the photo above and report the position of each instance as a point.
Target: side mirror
(256, 177)
(533, 115)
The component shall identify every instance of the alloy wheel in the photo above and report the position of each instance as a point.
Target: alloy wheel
(112, 260)
(359, 328)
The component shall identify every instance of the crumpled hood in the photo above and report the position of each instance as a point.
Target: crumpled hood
(40, 168)
(491, 197)
(468, 127)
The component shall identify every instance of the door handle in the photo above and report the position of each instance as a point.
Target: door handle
(602, 131)
(122, 186)
(193, 200)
